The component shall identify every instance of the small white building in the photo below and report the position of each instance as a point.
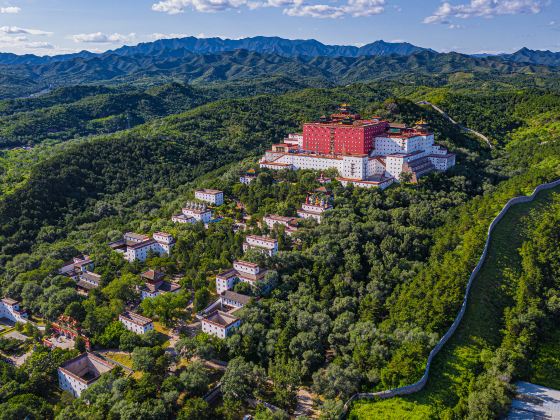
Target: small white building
(247, 178)
(262, 244)
(154, 285)
(78, 374)
(237, 300)
(88, 281)
(215, 197)
(294, 140)
(244, 271)
(192, 213)
(181, 218)
(76, 266)
(136, 323)
(313, 208)
(10, 310)
(219, 324)
(136, 247)
(290, 223)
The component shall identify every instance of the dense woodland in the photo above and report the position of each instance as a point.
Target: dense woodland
(358, 301)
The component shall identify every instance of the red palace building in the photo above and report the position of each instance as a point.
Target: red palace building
(342, 133)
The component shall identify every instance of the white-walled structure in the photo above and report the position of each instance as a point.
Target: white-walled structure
(249, 177)
(9, 309)
(219, 324)
(215, 197)
(88, 281)
(78, 374)
(76, 266)
(290, 223)
(237, 300)
(314, 207)
(262, 244)
(136, 247)
(244, 271)
(193, 212)
(154, 285)
(397, 150)
(135, 322)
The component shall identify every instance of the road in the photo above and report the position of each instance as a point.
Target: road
(462, 127)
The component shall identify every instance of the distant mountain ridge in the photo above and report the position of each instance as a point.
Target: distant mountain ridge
(272, 45)
(261, 44)
(187, 67)
(525, 55)
(290, 48)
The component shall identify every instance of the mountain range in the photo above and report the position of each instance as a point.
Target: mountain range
(261, 44)
(213, 59)
(272, 45)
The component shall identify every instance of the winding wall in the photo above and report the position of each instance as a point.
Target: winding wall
(417, 386)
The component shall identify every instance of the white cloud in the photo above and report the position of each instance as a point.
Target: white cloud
(17, 30)
(174, 7)
(39, 45)
(157, 36)
(11, 10)
(101, 38)
(484, 8)
(12, 39)
(354, 8)
(321, 11)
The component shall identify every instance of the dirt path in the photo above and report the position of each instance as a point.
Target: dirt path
(462, 127)
(305, 405)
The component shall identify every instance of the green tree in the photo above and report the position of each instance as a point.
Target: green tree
(166, 307)
(194, 409)
(195, 378)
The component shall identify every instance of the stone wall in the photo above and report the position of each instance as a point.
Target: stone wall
(417, 386)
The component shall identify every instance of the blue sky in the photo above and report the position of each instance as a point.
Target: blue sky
(471, 26)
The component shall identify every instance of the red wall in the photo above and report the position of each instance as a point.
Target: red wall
(347, 139)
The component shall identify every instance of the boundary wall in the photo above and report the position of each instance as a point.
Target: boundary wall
(417, 386)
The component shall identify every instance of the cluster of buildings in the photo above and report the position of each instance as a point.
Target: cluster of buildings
(219, 317)
(80, 269)
(65, 331)
(198, 211)
(135, 246)
(365, 152)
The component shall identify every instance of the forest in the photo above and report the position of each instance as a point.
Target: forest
(359, 300)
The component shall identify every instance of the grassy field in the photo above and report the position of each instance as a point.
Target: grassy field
(123, 358)
(477, 336)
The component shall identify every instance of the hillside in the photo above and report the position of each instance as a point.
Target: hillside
(469, 353)
(158, 152)
(78, 111)
(187, 67)
(362, 297)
